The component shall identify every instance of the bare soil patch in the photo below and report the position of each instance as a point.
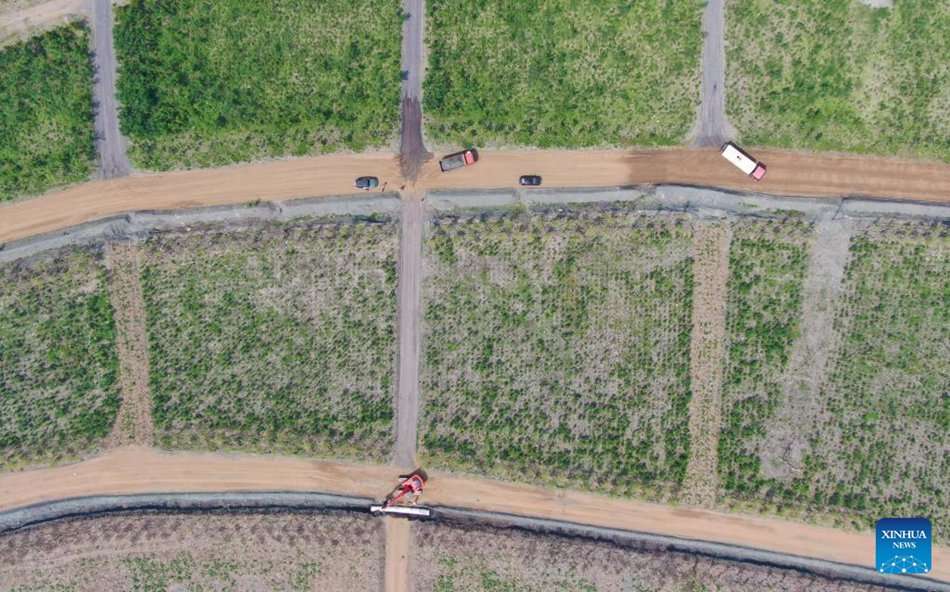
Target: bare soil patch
(19, 19)
(469, 560)
(817, 341)
(215, 551)
(710, 274)
(398, 547)
(134, 421)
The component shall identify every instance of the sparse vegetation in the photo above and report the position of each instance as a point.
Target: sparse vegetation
(47, 138)
(274, 338)
(876, 443)
(58, 362)
(211, 82)
(881, 446)
(767, 264)
(556, 348)
(163, 552)
(452, 559)
(840, 75)
(562, 73)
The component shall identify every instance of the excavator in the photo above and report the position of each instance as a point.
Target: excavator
(407, 492)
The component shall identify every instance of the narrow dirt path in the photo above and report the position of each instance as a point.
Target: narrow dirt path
(133, 424)
(110, 144)
(412, 151)
(398, 545)
(812, 352)
(712, 128)
(707, 348)
(37, 17)
(410, 279)
(790, 173)
(141, 470)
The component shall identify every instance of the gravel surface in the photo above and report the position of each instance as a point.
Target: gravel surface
(110, 144)
(712, 128)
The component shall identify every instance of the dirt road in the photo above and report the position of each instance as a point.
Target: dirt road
(141, 470)
(712, 128)
(398, 541)
(110, 144)
(410, 280)
(790, 173)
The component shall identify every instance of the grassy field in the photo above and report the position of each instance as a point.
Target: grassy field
(556, 348)
(452, 559)
(881, 446)
(839, 75)
(562, 73)
(767, 264)
(274, 338)
(47, 138)
(58, 364)
(210, 82)
(210, 551)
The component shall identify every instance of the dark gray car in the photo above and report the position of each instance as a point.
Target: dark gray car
(367, 183)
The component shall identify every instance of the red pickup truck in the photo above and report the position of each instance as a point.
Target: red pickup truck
(459, 159)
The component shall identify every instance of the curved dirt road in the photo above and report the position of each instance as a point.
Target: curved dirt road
(142, 470)
(790, 173)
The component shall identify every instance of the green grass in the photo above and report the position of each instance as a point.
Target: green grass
(47, 138)
(556, 349)
(274, 338)
(562, 73)
(210, 82)
(880, 446)
(767, 265)
(58, 361)
(839, 75)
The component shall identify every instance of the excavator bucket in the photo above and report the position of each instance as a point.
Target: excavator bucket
(420, 472)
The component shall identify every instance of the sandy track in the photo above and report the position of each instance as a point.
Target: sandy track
(789, 174)
(142, 470)
(410, 280)
(398, 541)
(283, 179)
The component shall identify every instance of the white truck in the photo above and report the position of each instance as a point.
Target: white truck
(743, 161)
